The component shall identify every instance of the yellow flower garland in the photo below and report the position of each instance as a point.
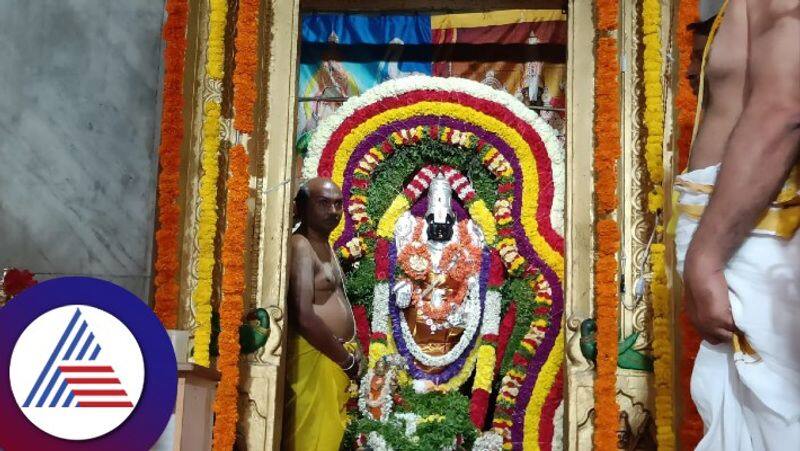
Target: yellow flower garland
(458, 380)
(207, 223)
(386, 224)
(485, 368)
(485, 220)
(376, 351)
(530, 191)
(654, 124)
(547, 377)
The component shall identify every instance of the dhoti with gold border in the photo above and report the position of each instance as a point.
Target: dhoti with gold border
(748, 391)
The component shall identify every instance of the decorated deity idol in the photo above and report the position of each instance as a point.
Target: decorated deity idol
(437, 286)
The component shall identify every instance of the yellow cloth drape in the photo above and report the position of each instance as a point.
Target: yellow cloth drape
(316, 414)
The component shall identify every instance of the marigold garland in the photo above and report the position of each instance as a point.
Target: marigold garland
(607, 14)
(207, 221)
(238, 185)
(244, 72)
(685, 100)
(607, 151)
(206, 233)
(232, 301)
(691, 425)
(167, 262)
(606, 298)
(654, 127)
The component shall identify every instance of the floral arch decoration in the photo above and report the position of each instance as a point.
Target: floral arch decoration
(506, 166)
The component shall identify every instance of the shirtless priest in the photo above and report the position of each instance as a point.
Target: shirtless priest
(737, 235)
(322, 352)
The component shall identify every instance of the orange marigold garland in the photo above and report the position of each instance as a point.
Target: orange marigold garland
(607, 14)
(691, 425)
(244, 74)
(606, 128)
(686, 100)
(231, 304)
(167, 261)
(233, 244)
(607, 151)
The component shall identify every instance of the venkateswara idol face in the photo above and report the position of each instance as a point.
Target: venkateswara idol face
(440, 216)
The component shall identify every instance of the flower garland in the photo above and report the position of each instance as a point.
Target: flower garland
(430, 421)
(231, 302)
(453, 359)
(607, 151)
(520, 361)
(244, 72)
(662, 314)
(364, 132)
(490, 157)
(167, 262)
(685, 100)
(479, 212)
(238, 192)
(384, 401)
(14, 281)
(691, 425)
(207, 221)
(333, 141)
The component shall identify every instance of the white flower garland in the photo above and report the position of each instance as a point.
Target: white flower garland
(472, 312)
(410, 419)
(377, 442)
(380, 308)
(489, 441)
(385, 399)
(396, 87)
(558, 428)
(491, 313)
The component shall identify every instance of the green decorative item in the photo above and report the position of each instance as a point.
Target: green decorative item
(302, 142)
(631, 359)
(589, 340)
(627, 357)
(423, 422)
(253, 334)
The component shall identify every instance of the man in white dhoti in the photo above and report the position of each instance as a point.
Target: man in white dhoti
(736, 241)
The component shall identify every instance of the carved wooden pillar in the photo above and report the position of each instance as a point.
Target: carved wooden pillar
(261, 386)
(579, 305)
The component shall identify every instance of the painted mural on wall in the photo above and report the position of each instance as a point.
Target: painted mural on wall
(521, 52)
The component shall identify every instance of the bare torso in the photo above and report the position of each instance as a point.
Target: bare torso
(724, 87)
(330, 303)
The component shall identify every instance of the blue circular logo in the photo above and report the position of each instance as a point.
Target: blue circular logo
(87, 366)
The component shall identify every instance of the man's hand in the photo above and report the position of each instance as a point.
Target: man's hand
(353, 371)
(707, 301)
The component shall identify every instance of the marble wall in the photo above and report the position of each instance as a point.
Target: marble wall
(79, 118)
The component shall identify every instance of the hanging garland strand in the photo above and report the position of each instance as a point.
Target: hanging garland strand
(207, 223)
(662, 314)
(244, 73)
(233, 240)
(607, 151)
(231, 305)
(686, 100)
(167, 261)
(691, 426)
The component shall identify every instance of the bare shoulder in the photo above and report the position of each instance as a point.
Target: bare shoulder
(301, 247)
(769, 11)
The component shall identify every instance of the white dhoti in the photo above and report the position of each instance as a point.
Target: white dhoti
(747, 402)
